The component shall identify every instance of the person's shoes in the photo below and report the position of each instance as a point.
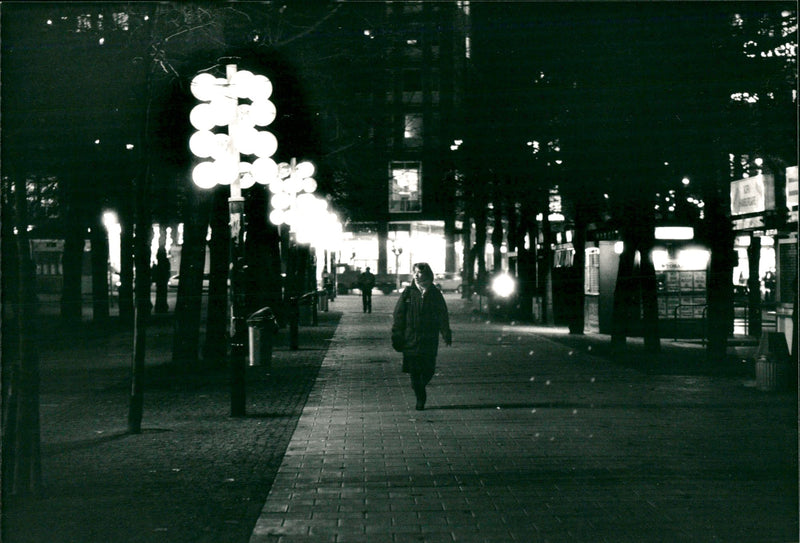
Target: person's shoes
(420, 405)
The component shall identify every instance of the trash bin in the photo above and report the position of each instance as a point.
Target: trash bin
(261, 326)
(772, 362)
(323, 300)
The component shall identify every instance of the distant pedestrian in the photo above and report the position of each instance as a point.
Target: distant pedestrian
(327, 284)
(419, 317)
(366, 281)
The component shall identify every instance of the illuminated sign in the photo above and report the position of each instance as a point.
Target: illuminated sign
(791, 187)
(752, 195)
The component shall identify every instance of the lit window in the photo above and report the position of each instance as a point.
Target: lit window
(405, 194)
(413, 126)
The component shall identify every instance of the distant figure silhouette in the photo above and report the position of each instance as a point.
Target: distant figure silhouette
(365, 283)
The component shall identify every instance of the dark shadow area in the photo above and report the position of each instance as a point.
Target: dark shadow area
(672, 359)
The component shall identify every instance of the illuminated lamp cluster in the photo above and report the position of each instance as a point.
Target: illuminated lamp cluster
(220, 106)
(295, 205)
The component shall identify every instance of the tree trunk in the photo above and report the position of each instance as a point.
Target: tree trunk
(125, 293)
(497, 237)
(100, 271)
(263, 254)
(577, 317)
(720, 279)
(754, 284)
(480, 248)
(527, 261)
(161, 271)
(649, 290)
(72, 266)
(142, 235)
(450, 240)
(383, 254)
(216, 343)
(547, 270)
(22, 469)
(624, 296)
(467, 275)
(142, 308)
(188, 308)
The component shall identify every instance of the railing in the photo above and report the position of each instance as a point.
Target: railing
(704, 320)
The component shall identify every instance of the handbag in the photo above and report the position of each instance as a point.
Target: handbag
(397, 342)
(398, 335)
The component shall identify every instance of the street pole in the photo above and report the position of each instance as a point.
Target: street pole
(236, 301)
(397, 252)
(220, 106)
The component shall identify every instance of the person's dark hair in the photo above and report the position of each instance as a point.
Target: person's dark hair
(425, 270)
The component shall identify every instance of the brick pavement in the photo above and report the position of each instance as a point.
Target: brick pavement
(528, 439)
(193, 475)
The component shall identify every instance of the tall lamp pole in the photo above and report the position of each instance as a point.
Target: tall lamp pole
(306, 217)
(397, 252)
(239, 101)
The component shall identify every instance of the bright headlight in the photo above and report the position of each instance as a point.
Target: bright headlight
(503, 285)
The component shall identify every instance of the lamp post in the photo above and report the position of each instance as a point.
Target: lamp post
(240, 102)
(397, 252)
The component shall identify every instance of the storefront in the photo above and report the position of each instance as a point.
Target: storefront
(681, 274)
(760, 222)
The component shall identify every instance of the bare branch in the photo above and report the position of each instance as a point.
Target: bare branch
(310, 29)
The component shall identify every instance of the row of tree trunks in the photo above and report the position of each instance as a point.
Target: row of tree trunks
(21, 466)
(188, 306)
(635, 295)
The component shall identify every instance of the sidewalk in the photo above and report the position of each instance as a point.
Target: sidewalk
(193, 475)
(528, 439)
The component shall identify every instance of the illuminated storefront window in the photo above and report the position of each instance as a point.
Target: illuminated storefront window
(405, 192)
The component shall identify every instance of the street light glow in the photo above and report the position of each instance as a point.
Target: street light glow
(503, 285)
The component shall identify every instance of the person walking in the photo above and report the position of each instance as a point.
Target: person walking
(419, 317)
(366, 281)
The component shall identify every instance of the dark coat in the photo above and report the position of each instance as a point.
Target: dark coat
(418, 321)
(366, 281)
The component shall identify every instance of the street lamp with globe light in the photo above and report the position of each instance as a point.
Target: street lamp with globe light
(304, 218)
(240, 102)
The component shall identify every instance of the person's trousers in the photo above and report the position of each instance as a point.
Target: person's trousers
(366, 301)
(421, 369)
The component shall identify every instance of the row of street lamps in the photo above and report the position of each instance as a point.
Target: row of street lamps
(240, 102)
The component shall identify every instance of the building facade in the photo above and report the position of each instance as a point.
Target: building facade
(415, 97)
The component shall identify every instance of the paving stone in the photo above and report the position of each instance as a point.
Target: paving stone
(528, 437)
